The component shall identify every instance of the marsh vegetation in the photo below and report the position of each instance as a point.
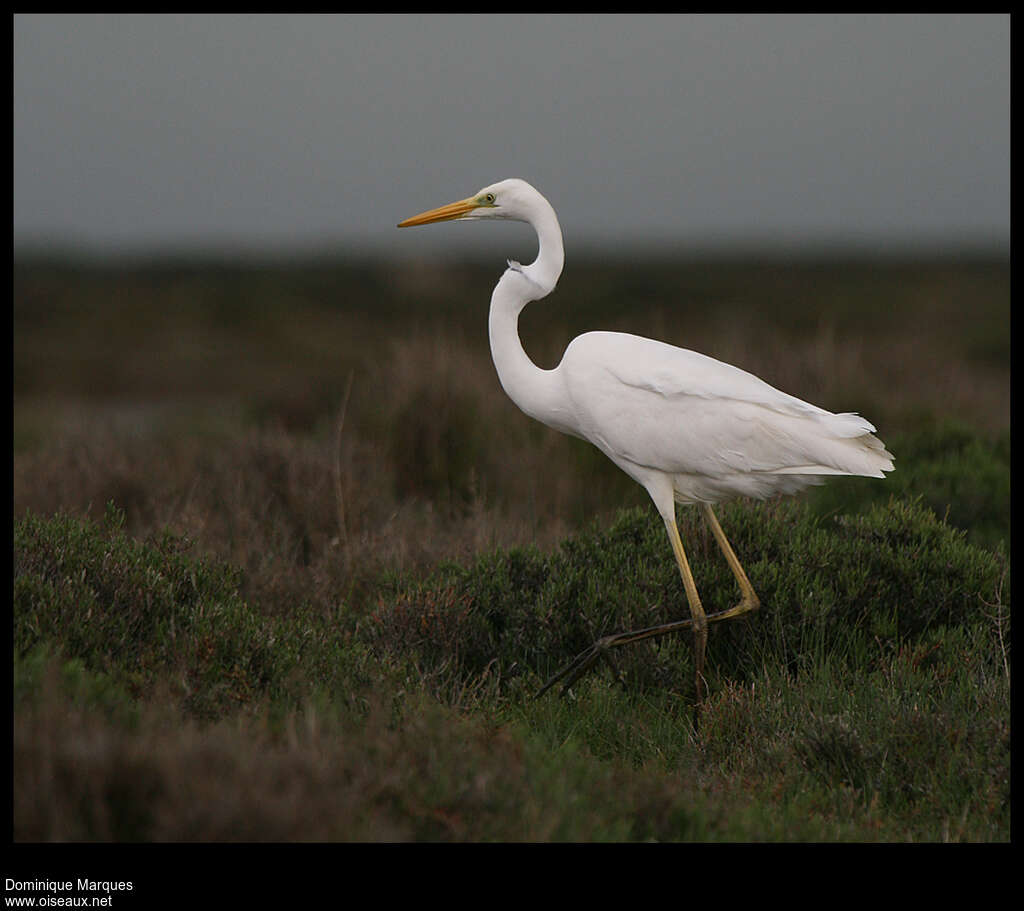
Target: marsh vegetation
(288, 565)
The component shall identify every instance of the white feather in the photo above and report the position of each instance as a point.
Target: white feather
(718, 431)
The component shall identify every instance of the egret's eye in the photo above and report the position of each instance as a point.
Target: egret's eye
(489, 198)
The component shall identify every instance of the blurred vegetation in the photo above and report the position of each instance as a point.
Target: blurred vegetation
(282, 542)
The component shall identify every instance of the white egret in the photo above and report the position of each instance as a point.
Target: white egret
(687, 427)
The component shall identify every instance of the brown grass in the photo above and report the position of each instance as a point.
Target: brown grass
(208, 400)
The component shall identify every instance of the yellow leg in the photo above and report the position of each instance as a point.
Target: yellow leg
(748, 597)
(700, 622)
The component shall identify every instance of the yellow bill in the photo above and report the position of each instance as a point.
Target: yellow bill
(442, 213)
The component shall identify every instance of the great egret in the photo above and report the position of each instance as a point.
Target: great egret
(687, 427)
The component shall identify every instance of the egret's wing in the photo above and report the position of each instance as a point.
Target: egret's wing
(682, 412)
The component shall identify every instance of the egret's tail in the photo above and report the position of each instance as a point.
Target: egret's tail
(843, 444)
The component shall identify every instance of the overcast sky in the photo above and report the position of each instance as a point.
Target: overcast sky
(288, 133)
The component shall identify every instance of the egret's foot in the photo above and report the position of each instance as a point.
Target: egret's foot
(749, 604)
(583, 662)
(601, 649)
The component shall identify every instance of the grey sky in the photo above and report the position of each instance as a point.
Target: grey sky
(287, 133)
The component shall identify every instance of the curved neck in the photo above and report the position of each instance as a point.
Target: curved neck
(547, 267)
(536, 391)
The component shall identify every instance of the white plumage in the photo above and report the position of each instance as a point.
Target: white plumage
(687, 427)
(718, 431)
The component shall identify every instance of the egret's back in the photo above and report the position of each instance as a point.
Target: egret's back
(717, 431)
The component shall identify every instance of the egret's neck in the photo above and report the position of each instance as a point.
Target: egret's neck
(537, 392)
(547, 267)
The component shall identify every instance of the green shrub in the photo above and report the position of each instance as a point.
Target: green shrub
(961, 475)
(832, 584)
(147, 613)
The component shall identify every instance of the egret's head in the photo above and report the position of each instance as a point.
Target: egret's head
(513, 199)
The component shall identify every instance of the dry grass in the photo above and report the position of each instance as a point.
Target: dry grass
(208, 400)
